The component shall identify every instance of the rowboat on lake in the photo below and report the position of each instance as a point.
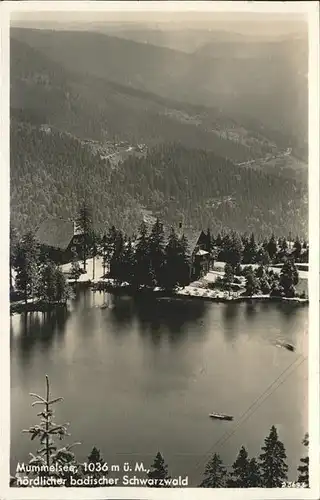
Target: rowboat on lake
(220, 416)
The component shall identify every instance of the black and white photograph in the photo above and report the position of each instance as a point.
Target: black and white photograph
(161, 182)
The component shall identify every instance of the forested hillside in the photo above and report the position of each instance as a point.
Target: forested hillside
(265, 82)
(51, 171)
(92, 107)
(66, 123)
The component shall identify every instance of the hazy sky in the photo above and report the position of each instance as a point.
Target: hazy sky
(245, 23)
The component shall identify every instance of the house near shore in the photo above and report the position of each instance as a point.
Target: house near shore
(59, 238)
(200, 258)
(199, 251)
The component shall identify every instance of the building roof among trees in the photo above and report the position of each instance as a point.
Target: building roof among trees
(56, 233)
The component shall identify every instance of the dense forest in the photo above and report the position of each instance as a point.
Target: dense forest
(209, 191)
(263, 81)
(51, 171)
(43, 91)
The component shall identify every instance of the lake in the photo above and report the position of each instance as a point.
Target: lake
(142, 376)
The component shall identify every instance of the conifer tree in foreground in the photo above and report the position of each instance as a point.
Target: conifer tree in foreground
(100, 468)
(215, 474)
(303, 468)
(272, 461)
(159, 469)
(46, 432)
(245, 472)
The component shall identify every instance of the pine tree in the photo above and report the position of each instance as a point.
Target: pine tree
(239, 475)
(116, 262)
(52, 286)
(100, 468)
(297, 248)
(26, 265)
(47, 431)
(143, 275)
(272, 461)
(250, 250)
(85, 225)
(215, 473)
(252, 284)
(272, 247)
(303, 468)
(156, 246)
(128, 262)
(289, 278)
(176, 265)
(263, 257)
(283, 250)
(233, 250)
(228, 277)
(159, 470)
(47, 283)
(254, 479)
(245, 472)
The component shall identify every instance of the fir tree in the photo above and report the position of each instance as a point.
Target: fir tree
(283, 250)
(215, 474)
(100, 468)
(228, 276)
(250, 250)
(142, 269)
(303, 468)
(289, 278)
(47, 283)
(252, 284)
(176, 267)
(233, 250)
(46, 432)
(272, 461)
(84, 225)
(52, 285)
(26, 265)
(116, 261)
(297, 248)
(263, 257)
(239, 475)
(156, 246)
(128, 262)
(158, 470)
(272, 247)
(254, 479)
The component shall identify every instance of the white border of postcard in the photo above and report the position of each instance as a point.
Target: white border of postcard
(311, 11)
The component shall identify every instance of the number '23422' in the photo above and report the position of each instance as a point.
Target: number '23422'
(293, 484)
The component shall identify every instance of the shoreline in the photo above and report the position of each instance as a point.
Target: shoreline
(191, 294)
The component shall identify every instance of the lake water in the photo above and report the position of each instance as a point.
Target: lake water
(140, 377)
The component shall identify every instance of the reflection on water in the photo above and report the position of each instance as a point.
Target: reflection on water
(138, 376)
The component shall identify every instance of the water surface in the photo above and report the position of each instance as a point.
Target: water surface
(140, 377)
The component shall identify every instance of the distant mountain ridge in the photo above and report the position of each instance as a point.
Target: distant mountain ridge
(67, 123)
(266, 88)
